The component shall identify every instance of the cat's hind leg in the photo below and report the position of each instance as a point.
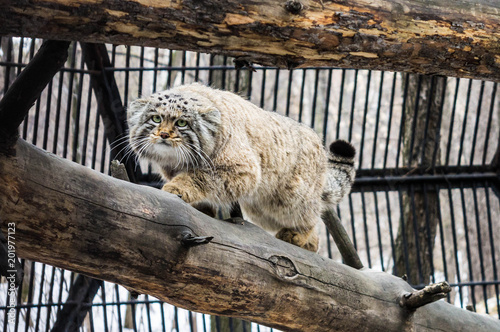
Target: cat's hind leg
(307, 239)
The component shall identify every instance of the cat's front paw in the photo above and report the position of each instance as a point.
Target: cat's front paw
(174, 189)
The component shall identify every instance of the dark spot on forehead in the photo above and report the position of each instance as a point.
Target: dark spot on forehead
(193, 99)
(185, 103)
(167, 96)
(160, 98)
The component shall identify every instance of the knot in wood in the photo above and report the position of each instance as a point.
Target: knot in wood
(284, 266)
(294, 6)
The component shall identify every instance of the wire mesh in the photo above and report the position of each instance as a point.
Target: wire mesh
(436, 179)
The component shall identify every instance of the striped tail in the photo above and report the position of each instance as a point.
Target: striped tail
(341, 172)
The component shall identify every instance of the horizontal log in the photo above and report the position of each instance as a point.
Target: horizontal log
(458, 38)
(75, 218)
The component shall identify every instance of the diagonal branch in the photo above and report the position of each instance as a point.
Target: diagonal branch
(27, 87)
(75, 218)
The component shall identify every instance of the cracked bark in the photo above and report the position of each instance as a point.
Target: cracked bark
(427, 37)
(75, 218)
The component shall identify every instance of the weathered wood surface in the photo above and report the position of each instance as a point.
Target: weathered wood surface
(75, 218)
(457, 38)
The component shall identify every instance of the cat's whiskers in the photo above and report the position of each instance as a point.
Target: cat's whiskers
(205, 159)
(192, 158)
(134, 145)
(141, 149)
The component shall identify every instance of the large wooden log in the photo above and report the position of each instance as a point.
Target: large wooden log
(75, 218)
(458, 38)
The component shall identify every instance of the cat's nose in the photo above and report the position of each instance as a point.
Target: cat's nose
(164, 135)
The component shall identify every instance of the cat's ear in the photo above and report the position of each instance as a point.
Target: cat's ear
(135, 107)
(212, 116)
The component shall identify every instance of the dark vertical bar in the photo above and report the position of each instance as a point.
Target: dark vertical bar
(416, 234)
(162, 312)
(479, 244)
(183, 70)
(365, 224)
(365, 114)
(148, 311)
(104, 306)
(263, 88)
(69, 100)
(36, 122)
(176, 319)
(76, 130)
(467, 245)
(389, 220)
(86, 126)
(6, 79)
(430, 240)
(315, 97)
(50, 298)
(415, 119)
(141, 72)
(327, 105)
(210, 70)
(119, 312)
(190, 318)
(276, 89)
(27, 318)
(351, 210)
(488, 126)
(302, 88)
(46, 124)
(464, 123)
(155, 72)
(353, 104)
(476, 126)
(39, 303)
(250, 80)
(58, 111)
(492, 247)
(197, 72)
(441, 237)
(452, 122)
(403, 223)
(402, 123)
(341, 99)
(455, 246)
(389, 121)
(94, 147)
(379, 236)
(377, 118)
(289, 92)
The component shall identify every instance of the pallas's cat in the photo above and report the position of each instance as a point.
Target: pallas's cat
(214, 146)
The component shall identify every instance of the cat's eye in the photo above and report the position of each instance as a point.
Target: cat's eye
(156, 118)
(181, 123)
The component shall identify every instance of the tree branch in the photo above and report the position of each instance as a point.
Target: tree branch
(72, 217)
(27, 88)
(428, 294)
(337, 231)
(426, 37)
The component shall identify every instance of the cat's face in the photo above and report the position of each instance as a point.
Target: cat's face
(173, 128)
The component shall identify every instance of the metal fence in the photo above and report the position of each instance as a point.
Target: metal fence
(425, 203)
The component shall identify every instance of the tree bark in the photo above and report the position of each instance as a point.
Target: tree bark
(72, 217)
(419, 220)
(419, 36)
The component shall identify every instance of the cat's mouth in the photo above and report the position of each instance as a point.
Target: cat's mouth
(171, 141)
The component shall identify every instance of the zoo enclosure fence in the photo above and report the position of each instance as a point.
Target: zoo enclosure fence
(425, 202)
